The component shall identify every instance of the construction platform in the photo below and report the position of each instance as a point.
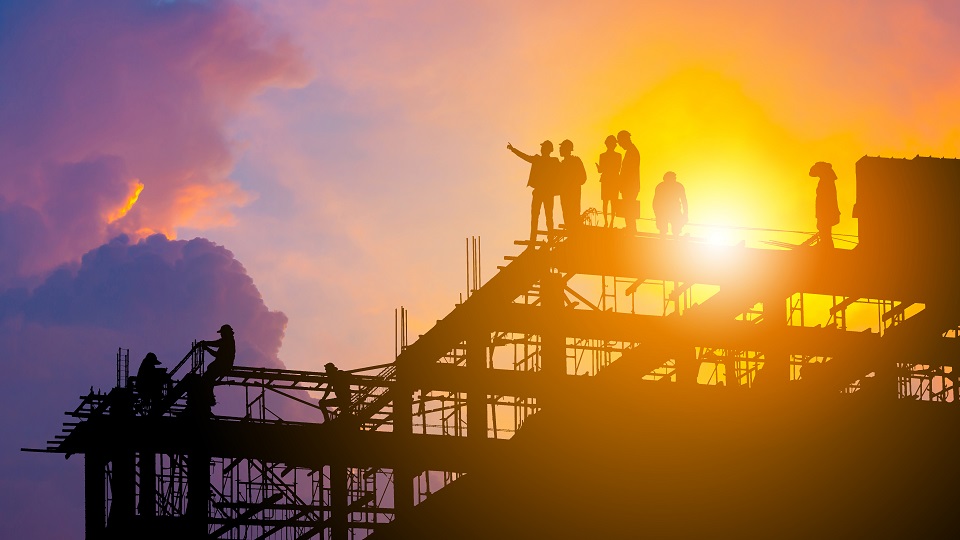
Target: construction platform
(601, 385)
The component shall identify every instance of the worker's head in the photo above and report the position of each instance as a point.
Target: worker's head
(624, 138)
(566, 148)
(330, 367)
(151, 359)
(546, 148)
(225, 330)
(823, 170)
(670, 176)
(611, 142)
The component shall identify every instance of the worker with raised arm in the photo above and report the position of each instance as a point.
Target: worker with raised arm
(544, 172)
(224, 351)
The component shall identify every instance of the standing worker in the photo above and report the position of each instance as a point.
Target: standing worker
(572, 176)
(629, 180)
(828, 211)
(670, 204)
(609, 169)
(151, 381)
(544, 171)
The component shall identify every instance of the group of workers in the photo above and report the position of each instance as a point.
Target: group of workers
(620, 185)
(152, 382)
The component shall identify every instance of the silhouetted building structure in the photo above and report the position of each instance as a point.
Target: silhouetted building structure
(753, 400)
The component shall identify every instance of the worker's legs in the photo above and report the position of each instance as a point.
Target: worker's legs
(546, 201)
(826, 234)
(630, 214)
(548, 209)
(566, 209)
(535, 214)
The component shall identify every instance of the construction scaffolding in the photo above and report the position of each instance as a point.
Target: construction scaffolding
(689, 314)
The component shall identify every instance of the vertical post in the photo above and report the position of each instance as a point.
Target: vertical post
(124, 491)
(553, 343)
(94, 495)
(477, 419)
(338, 501)
(403, 473)
(123, 488)
(198, 412)
(776, 359)
(553, 346)
(198, 493)
(147, 507)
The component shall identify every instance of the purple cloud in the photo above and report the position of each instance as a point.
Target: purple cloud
(112, 125)
(96, 98)
(60, 338)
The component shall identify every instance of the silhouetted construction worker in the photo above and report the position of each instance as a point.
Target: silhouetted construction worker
(828, 211)
(544, 172)
(572, 176)
(224, 351)
(609, 169)
(338, 383)
(629, 180)
(670, 204)
(151, 381)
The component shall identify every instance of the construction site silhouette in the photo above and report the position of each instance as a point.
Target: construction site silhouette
(780, 391)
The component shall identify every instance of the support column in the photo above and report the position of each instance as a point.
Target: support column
(95, 495)
(198, 460)
(553, 346)
(123, 464)
(403, 474)
(338, 501)
(123, 491)
(147, 507)
(776, 359)
(477, 416)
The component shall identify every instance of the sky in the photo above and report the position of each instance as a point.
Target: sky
(300, 169)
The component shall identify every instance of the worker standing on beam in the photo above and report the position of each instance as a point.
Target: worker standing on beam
(670, 205)
(828, 211)
(629, 180)
(544, 172)
(572, 176)
(609, 169)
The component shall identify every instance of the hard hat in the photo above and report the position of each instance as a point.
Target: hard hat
(225, 329)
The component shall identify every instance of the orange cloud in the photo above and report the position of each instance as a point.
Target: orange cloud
(122, 210)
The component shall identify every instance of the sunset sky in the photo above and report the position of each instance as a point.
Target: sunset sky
(314, 165)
